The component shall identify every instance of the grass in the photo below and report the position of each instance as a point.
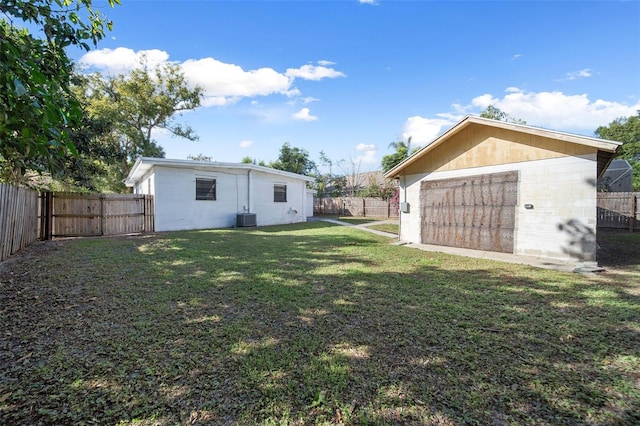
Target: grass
(392, 228)
(354, 220)
(309, 324)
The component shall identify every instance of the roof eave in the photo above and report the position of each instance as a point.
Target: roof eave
(138, 170)
(600, 144)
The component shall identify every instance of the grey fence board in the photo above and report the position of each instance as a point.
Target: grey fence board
(18, 219)
(619, 210)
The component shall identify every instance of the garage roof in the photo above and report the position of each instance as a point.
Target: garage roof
(606, 148)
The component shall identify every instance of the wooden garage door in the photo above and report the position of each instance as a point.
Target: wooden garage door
(476, 212)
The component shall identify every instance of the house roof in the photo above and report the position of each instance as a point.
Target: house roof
(606, 148)
(144, 164)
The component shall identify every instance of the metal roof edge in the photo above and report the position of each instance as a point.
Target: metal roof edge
(138, 169)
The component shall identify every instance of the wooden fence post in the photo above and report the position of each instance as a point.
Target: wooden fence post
(632, 212)
(364, 208)
(46, 218)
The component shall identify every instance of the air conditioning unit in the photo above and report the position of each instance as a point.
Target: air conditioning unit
(246, 219)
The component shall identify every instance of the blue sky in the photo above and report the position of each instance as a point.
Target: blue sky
(350, 77)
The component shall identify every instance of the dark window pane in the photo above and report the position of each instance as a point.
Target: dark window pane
(280, 193)
(205, 189)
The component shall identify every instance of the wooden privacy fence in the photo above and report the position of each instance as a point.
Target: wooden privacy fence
(18, 219)
(355, 206)
(619, 210)
(64, 214)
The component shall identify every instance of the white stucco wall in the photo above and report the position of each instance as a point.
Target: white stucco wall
(562, 223)
(309, 205)
(176, 207)
(271, 213)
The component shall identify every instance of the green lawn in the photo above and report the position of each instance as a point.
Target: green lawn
(392, 228)
(308, 324)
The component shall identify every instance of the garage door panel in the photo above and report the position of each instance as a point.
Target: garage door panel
(475, 212)
(474, 216)
(477, 238)
(504, 193)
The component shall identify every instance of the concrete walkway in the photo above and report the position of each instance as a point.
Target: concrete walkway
(556, 264)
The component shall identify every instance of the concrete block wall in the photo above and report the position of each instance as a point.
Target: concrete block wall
(562, 223)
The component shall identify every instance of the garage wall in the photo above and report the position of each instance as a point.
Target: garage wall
(561, 190)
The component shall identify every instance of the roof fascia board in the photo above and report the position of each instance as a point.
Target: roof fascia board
(138, 169)
(601, 144)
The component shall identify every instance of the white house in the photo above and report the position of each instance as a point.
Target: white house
(497, 186)
(202, 195)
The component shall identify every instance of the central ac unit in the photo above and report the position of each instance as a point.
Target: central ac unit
(246, 219)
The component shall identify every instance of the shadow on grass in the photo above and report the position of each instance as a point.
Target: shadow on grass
(619, 249)
(309, 324)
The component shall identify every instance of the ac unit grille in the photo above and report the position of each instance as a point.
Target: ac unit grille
(246, 219)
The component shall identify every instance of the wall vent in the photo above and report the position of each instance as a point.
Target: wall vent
(246, 219)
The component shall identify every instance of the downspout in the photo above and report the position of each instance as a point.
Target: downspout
(248, 191)
(404, 187)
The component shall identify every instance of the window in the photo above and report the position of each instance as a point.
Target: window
(279, 193)
(205, 189)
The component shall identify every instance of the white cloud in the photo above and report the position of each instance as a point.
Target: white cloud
(369, 157)
(585, 73)
(551, 110)
(245, 144)
(367, 2)
(122, 59)
(365, 147)
(423, 130)
(556, 110)
(304, 115)
(223, 83)
(516, 56)
(222, 79)
(313, 72)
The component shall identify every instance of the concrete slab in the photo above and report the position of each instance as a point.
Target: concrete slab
(538, 262)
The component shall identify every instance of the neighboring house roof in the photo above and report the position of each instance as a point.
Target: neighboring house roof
(618, 177)
(364, 179)
(606, 148)
(144, 164)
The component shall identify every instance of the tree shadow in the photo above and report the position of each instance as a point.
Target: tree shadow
(309, 324)
(581, 240)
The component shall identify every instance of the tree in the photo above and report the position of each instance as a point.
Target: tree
(627, 131)
(353, 176)
(496, 114)
(143, 101)
(95, 167)
(294, 160)
(249, 160)
(328, 183)
(376, 189)
(402, 153)
(37, 108)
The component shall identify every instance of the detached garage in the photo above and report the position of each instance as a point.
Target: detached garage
(497, 186)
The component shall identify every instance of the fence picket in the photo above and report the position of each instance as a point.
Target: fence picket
(18, 219)
(355, 206)
(619, 210)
